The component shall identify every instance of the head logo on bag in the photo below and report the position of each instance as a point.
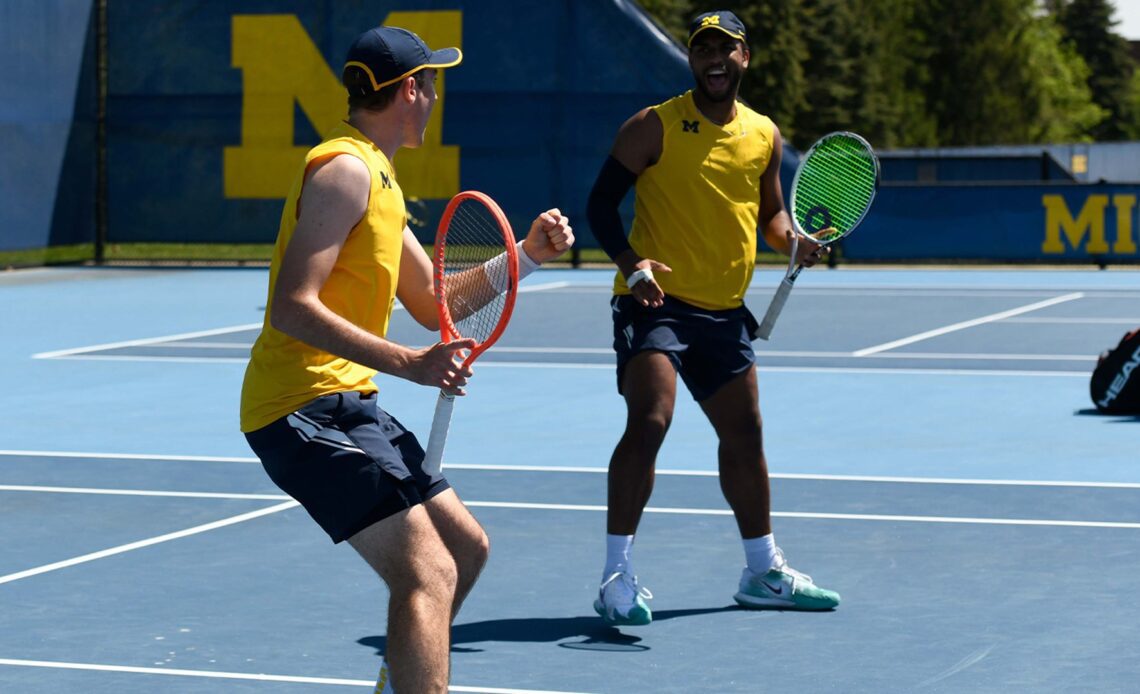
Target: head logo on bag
(1114, 388)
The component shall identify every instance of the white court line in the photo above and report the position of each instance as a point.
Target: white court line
(808, 369)
(553, 350)
(819, 477)
(261, 677)
(966, 356)
(525, 505)
(969, 324)
(947, 356)
(204, 345)
(905, 291)
(146, 543)
(824, 516)
(120, 357)
(542, 287)
(919, 293)
(144, 341)
(141, 492)
(549, 366)
(501, 349)
(923, 372)
(130, 456)
(602, 470)
(154, 341)
(1076, 321)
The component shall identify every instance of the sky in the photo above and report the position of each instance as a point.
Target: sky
(1128, 14)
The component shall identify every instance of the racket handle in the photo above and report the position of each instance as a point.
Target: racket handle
(774, 308)
(433, 457)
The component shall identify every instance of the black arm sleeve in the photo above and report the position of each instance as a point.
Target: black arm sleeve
(614, 181)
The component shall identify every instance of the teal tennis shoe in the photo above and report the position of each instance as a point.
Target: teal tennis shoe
(783, 588)
(621, 601)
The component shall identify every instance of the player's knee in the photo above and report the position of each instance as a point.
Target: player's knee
(746, 437)
(649, 429)
(443, 582)
(479, 551)
(433, 573)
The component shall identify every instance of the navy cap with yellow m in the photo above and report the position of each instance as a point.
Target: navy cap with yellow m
(387, 55)
(721, 20)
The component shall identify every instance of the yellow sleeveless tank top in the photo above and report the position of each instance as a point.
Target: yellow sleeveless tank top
(284, 373)
(698, 207)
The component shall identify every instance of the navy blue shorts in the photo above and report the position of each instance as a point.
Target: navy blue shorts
(348, 462)
(708, 348)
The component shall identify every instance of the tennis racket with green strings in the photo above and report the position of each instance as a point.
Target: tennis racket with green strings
(832, 192)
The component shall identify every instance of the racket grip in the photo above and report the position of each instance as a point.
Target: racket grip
(437, 439)
(774, 308)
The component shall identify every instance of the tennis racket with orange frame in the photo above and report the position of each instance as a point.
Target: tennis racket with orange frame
(475, 265)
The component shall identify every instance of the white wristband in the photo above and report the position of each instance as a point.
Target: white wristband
(638, 276)
(526, 265)
(496, 268)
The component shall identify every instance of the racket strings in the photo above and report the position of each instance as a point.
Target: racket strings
(473, 238)
(839, 176)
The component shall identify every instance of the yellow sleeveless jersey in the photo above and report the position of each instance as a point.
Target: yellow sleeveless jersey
(698, 207)
(284, 373)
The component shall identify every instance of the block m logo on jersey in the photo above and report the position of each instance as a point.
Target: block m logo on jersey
(281, 66)
(690, 126)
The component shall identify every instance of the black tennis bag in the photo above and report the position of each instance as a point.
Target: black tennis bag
(1115, 384)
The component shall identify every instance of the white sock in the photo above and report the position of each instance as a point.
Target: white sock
(760, 553)
(384, 680)
(619, 549)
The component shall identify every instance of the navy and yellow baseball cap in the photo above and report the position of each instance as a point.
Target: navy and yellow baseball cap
(721, 20)
(389, 54)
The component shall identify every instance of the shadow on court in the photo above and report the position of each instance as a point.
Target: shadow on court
(595, 635)
(1117, 418)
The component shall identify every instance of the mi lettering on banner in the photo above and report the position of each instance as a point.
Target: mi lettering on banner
(1091, 222)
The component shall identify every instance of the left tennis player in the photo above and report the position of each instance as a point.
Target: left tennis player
(309, 405)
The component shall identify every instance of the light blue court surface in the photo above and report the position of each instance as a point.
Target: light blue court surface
(934, 453)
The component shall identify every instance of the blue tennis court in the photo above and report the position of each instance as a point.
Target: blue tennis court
(934, 453)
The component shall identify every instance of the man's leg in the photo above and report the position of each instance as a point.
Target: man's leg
(767, 582)
(408, 552)
(650, 388)
(464, 538)
(649, 384)
(734, 411)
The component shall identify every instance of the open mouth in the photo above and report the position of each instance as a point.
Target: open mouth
(717, 79)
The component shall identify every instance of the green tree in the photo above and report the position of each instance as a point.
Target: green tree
(1056, 101)
(892, 71)
(1132, 128)
(999, 75)
(1088, 24)
(919, 73)
(672, 15)
(833, 59)
(775, 83)
(970, 68)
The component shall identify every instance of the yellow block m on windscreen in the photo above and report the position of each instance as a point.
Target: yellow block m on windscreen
(280, 66)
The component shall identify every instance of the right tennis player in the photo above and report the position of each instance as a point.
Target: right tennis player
(706, 169)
